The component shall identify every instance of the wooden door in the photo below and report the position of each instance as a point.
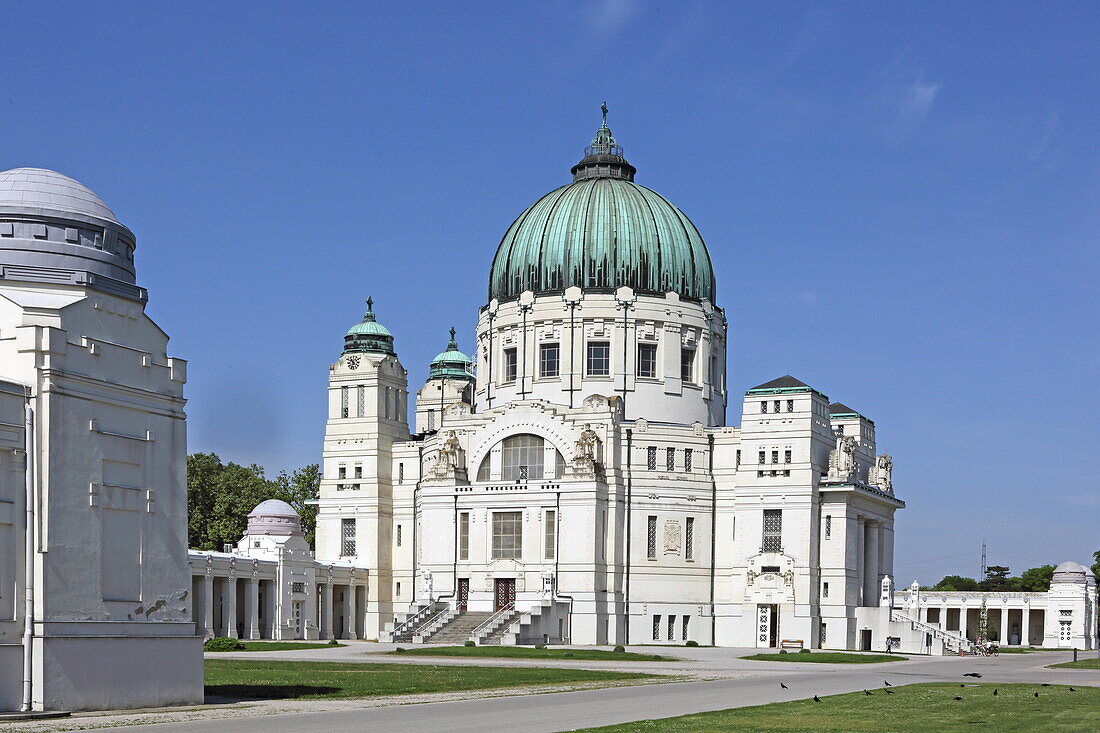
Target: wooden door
(463, 593)
(505, 593)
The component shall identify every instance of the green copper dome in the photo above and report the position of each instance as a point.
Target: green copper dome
(601, 232)
(452, 363)
(368, 335)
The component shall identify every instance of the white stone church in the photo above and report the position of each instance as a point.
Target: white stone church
(575, 482)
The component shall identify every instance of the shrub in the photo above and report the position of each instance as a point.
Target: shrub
(223, 644)
(567, 654)
(782, 651)
(399, 650)
(333, 642)
(691, 642)
(540, 646)
(620, 648)
(470, 642)
(803, 651)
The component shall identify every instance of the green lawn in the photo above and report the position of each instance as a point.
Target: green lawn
(522, 652)
(925, 708)
(827, 657)
(1092, 663)
(283, 646)
(246, 679)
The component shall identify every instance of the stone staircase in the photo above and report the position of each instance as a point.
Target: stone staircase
(495, 633)
(459, 629)
(952, 640)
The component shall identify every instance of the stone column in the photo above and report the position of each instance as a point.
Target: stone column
(252, 627)
(1025, 626)
(326, 611)
(1002, 634)
(207, 614)
(353, 627)
(229, 607)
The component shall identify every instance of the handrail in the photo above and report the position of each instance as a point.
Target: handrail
(430, 621)
(958, 639)
(403, 626)
(487, 623)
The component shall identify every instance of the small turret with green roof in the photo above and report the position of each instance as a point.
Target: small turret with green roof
(452, 363)
(368, 335)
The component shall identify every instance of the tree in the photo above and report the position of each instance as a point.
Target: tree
(996, 579)
(1035, 580)
(300, 487)
(1096, 565)
(956, 582)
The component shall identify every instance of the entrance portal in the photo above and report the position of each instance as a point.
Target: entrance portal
(767, 625)
(505, 595)
(463, 593)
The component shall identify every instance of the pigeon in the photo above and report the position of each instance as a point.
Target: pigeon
(865, 692)
(889, 692)
(994, 693)
(1036, 694)
(817, 699)
(1072, 690)
(957, 697)
(887, 683)
(783, 685)
(1045, 684)
(975, 675)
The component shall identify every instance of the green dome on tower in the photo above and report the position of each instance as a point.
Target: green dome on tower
(452, 363)
(601, 232)
(368, 335)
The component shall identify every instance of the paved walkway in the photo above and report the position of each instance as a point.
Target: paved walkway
(723, 680)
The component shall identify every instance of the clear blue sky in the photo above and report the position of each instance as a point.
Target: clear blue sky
(900, 200)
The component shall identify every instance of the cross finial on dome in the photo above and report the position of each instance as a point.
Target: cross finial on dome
(369, 315)
(453, 344)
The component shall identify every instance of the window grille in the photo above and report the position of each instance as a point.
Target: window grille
(400, 472)
(651, 538)
(358, 470)
(342, 472)
(656, 628)
(686, 620)
(549, 359)
(431, 420)
(824, 590)
(671, 627)
(777, 404)
(399, 535)
(647, 360)
(522, 458)
(738, 457)
(550, 539)
(773, 530)
(361, 398)
(599, 358)
(786, 456)
(828, 526)
(347, 537)
(507, 535)
(651, 458)
(343, 402)
(763, 457)
(689, 539)
(687, 459)
(297, 587)
(775, 456)
(764, 406)
(670, 459)
(790, 405)
(464, 536)
(510, 365)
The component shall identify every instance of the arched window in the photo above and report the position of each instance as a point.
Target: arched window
(522, 458)
(483, 469)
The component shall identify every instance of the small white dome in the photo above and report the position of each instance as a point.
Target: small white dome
(274, 517)
(38, 188)
(273, 507)
(1070, 572)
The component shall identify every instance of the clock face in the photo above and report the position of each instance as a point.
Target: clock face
(353, 362)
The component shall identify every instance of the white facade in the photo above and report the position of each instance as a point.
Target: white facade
(108, 458)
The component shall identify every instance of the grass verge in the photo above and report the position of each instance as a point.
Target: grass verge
(283, 646)
(1093, 663)
(924, 708)
(245, 679)
(522, 652)
(827, 657)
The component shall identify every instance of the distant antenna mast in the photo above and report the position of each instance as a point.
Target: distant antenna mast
(983, 560)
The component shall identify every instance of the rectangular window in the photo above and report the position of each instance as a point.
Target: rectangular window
(400, 472)
(398, 586)
(464, 536)
(551, 537)
(431, 420)
(689, 539)
(775, 456)
(764, 406)
(549, 358)
(671, 627)
(656, 628)
(399, 535)
(824, 590)
(687, 459)
(670, 459)
(651, 458)
(738, 456)
(686, 620)
(828, 526)
(790, 405)
(361, 399)
(687, 366)
(507, 535)
(647, 360)
(358, 470)
(773, 530)
(651, 538)
(777, 404)
(599, 358)
(763, 457)
(343, 402)
(347, 537)
(786, 456)
(510, 365)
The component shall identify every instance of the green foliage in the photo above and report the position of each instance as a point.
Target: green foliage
(691, 642)
(782, 651)
(526, 652)
(826, 657)
(956, 582)
(399, 650)
(220, 496)
(540, 646)
(803, 651)
(470, 642)
(333, 642)
(1096, 565)
(619, 648)
(1035, 580)
(223, 644)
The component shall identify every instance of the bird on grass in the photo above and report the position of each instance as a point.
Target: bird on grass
(887, 683)
(975, 675)
(1072, 690)
(957, 697)
(994, 693)
(783, 686)
(1036, 694)
(1045, 684)
(889, 692)
(865, 692)
(817, 699)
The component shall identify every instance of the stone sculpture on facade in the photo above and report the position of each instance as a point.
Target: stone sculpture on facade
(842, 459)
(449, 460)
(586, 454)
(880, 475)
